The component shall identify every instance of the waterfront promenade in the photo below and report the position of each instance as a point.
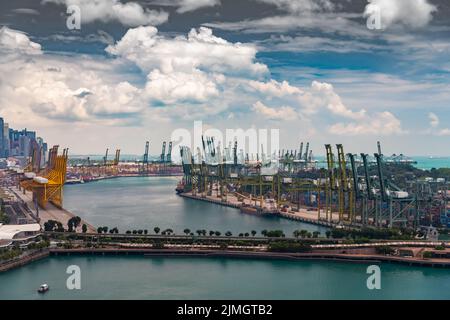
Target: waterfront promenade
(229, 247)
(51, 212)
(255, 254)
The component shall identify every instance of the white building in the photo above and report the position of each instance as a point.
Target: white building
(10, 233)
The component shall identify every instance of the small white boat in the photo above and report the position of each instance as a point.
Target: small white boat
(43, 288)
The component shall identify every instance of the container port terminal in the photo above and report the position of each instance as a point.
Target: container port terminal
(346, 191)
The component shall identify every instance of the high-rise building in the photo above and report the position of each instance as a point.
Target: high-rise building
(2, 138)
(15, 143)
(6, 140)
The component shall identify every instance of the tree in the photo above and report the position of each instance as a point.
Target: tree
(105, 229)
(274, 234)
(315, 234)
(264, 232)
(187, 231)
(241, 234)
(303, 233)
(228, 234)
(145, 231)
(75, 222)
(84, 228)
(296, 233)
(328, 234)
(217, 233)
(140, 232)
(199, 232)
(128, 232)
(70, 225)
(253, 233)
(134, 232)
(99, 229)
(156, 229)
(246, 234)
(59, 227)
(211, 233)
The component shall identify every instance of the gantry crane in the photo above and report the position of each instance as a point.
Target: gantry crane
(49, 186)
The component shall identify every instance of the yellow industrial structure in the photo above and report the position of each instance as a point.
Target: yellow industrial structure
(47, 184)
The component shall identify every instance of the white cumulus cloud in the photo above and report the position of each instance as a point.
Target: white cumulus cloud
(199, 50)
(379, 124)
(179, 87)
(411, 13)
(18, 42)
(282, 113)
(192, 5)
(128, 13)
(50, 87)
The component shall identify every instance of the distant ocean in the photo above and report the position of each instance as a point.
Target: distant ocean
(432, 162)
(423, 162)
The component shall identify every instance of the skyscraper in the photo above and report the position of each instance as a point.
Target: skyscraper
(2, 138)
(6, 146)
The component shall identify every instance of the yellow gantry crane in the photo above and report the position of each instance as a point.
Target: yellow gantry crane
(49, 186)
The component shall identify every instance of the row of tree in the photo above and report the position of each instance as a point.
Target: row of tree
(202, 232)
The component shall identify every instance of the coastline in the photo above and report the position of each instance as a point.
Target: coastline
(230, 254)
(51, 212)
(302, 216)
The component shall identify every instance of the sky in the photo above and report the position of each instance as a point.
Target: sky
(323, 71)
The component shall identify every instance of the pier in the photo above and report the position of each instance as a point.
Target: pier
(208, 253)
(303, 215)
(51, 212)
(23, 260)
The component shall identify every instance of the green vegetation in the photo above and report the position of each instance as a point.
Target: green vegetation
(53, 226)
(4, 218)
(427, 255)
(103, 230)
(273, 233)
(384, 250)
(305, 234)
(10, 254)
(289, 247)
(73, 223)
(371, 233)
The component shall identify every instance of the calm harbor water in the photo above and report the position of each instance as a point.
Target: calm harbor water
(148, 202)
(115, 277)
(143, 203)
